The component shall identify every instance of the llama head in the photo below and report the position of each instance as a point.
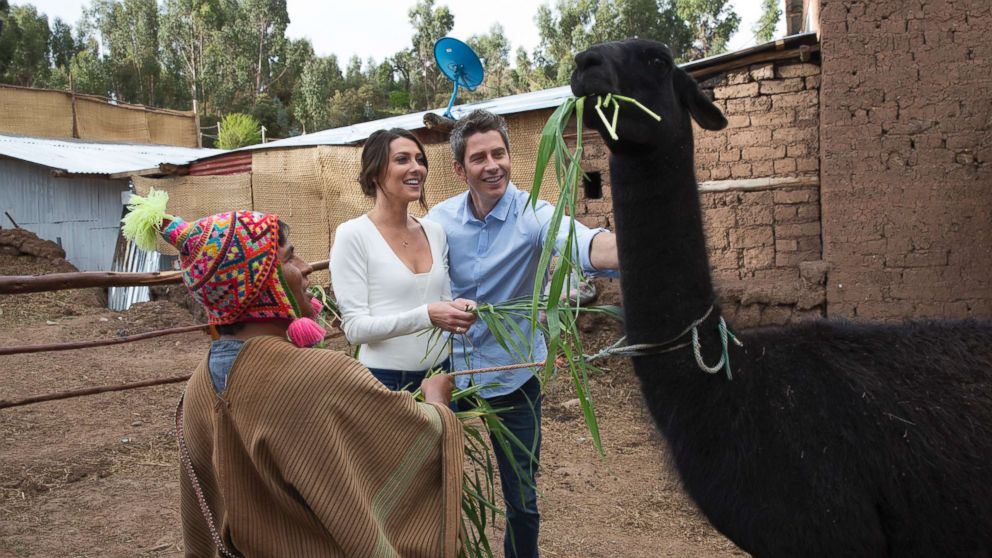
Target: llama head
(646, 71)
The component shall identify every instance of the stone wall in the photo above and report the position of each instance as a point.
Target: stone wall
(759, 182)
(907, 158)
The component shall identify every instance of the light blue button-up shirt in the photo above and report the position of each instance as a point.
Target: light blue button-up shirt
(494, 260)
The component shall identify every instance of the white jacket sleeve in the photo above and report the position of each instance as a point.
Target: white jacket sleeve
(350, 275)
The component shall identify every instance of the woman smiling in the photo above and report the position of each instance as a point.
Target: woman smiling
(389, 269)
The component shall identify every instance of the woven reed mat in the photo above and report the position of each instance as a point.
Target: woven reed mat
(193, 197)
(35, 113)
(287, 182)
(96, 120)
(172, 129)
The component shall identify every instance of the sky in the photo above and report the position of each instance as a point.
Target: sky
(380, 28)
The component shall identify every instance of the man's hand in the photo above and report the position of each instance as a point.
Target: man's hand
(437, 389)
(455, 316)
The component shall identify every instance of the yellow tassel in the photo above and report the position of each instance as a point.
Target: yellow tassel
(143, 223)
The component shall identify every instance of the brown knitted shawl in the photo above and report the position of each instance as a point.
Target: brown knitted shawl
(307, 454)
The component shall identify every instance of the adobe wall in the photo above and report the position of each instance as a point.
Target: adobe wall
(906, 144)
(759, 183)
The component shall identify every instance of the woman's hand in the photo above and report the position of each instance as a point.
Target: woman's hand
(437, 389)
(455, 316)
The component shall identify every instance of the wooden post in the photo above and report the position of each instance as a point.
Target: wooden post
(72, 93)
(196, 123)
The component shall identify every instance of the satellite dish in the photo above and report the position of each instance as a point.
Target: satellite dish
(459, 63)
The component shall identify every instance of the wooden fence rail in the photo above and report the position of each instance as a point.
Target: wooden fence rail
(7, 403)
(23, 349)
(21, 284)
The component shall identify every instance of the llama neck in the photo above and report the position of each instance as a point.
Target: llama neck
(665, 273)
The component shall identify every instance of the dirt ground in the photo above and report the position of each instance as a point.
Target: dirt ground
(98, 475)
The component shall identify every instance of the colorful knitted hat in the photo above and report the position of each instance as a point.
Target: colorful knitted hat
(230, 263)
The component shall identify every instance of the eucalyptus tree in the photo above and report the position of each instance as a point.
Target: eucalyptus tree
(657, 20)
(712, 23)
(320, 78)
(129, 37)
(24, 56)
(62, 44)
(691, 28)
(494, 49)
(564, 32)
(764, 29)
(186, 30)
(430, 86)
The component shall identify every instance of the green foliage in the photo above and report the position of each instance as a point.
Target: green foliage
(349, 106)
(129, 37)
(24, 47)
(429, 88)
(764, 28)
(399, 99)
(238, 130)
(63, 46)
(712, 23)
(493, 49)
(320, 78)
(232, 56)
(574, 25)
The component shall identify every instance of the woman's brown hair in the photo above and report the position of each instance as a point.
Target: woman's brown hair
(375, 159)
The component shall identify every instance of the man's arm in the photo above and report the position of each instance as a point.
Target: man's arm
(603, 251)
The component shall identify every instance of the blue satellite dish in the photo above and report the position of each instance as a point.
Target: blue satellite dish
(459, 63)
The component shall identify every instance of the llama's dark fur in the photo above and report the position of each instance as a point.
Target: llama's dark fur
(832, 439)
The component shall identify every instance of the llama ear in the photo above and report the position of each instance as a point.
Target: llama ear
(703, 111)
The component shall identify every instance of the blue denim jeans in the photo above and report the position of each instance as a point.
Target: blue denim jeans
(523, 418)
(408, 380)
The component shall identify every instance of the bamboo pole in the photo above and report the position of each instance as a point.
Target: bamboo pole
(24, 349)
(22, 284)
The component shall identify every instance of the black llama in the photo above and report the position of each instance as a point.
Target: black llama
(831, 439)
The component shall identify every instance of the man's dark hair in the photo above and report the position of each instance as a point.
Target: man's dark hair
(231, 329)
(477, 122)
(375, 159)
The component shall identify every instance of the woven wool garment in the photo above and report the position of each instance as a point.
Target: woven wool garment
(307, 454)
(230, 263)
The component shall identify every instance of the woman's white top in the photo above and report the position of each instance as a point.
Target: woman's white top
(383, 304)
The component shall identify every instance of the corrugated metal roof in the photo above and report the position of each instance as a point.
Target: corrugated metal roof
(536, 100)
(359, 132)
(229, 163)
(89, 157)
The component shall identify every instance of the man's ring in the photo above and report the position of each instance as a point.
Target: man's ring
(458, 330)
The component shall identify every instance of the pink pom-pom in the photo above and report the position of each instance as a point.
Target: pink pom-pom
(304, 332)
(317, 305)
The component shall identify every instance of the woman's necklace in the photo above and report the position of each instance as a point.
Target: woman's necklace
(401, 235)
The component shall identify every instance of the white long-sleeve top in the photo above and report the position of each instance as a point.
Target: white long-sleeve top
(383, 304)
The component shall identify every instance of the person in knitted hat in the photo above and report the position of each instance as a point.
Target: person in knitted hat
(288, 450)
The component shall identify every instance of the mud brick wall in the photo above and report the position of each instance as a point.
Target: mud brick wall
(759, 183)
(907, 158)
(772, 124)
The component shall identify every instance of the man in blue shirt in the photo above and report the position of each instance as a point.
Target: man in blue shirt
(495, 241)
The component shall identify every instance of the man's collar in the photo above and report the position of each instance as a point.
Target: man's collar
(500, 211)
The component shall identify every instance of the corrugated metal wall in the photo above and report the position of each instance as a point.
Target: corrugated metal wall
(130, 258)
(82, 214)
